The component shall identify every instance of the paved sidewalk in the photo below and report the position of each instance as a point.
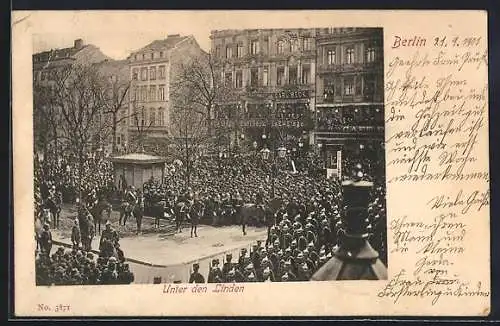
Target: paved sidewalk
(180, 248)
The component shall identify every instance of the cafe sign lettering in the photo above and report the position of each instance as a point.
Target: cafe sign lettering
(291, 94)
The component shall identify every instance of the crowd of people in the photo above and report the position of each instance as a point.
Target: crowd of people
(302, 230)
(304, 237)
(79, 267)
(56, 180)
(62, 173)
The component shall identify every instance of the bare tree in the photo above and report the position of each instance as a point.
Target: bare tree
(189, 135)
(117, 92)
(141, 126)
(79, 96)
(46, 119)
(199, 79)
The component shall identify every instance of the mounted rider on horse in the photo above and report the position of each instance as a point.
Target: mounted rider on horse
(130, 200)
(54, 203)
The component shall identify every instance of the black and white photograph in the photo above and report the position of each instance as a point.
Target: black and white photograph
(223, 156)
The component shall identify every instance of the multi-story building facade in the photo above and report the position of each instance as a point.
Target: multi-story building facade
(321, 87)
(46, 63)
(45, 67)
(350, 91)
(152, 71)
(115, 80)
(271, 73)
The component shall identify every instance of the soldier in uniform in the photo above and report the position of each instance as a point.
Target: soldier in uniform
(267, 275)
(289, 272)
(313, 254)
(295, 250)
(310, 233)
(304, 273)
(230, 276)
(273, 235)
(215, 273)
(228, 265)
(196, 212)
(251, 277)
(325, 234)
(297, 262)
(307, 259)
(195, 276)
(301, 240)
(286, 238)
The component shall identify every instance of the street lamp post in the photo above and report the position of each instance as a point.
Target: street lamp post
(280, 154)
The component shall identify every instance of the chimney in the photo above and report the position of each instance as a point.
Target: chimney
(78, 44)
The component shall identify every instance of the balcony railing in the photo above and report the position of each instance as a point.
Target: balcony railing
(349, 129)
(261, 122)
(357, 98)
(353, 67)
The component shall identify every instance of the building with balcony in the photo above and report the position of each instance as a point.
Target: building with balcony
(349, 110)
(152, 71)
(271, 75)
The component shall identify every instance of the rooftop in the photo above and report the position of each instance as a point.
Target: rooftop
(165, 44)
(137, 158)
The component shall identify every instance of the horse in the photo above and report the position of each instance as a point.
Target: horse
(54, 205)
(86, 222)
(181, 211)
(158, 211)
(126, 210)
(251, 212)
(137, 210)
(97, 211)
(227, 215)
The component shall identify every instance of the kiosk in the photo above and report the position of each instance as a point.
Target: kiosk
(136, 169)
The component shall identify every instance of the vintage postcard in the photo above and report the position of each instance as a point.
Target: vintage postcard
(251, 163)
